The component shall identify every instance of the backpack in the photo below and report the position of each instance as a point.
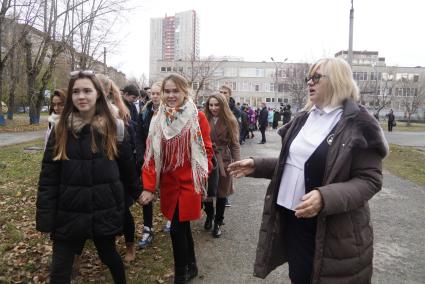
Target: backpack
(120, 130)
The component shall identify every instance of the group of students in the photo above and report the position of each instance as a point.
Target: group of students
(97, 162)
(316, 215)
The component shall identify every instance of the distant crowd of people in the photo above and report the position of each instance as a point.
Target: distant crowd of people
(107, 148)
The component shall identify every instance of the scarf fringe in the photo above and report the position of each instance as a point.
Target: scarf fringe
(186, 144)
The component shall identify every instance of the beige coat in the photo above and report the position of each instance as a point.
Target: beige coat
(226, 152)
(344, 237)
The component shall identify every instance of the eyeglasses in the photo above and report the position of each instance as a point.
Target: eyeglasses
(169, 91)
(78, 73)
(315, 78)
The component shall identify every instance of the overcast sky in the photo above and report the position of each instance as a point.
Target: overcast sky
(300, 30)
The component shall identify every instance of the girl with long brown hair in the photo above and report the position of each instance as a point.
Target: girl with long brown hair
(120, 111)
(57, 103)
(225, 138)
(85, 169)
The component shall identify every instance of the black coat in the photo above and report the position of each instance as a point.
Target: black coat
(142, 131)
(83, 197)
(263, 118)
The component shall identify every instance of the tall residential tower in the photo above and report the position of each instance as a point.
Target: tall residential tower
(174, 38)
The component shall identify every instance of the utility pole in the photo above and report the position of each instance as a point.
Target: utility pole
(350, 39)
(105, 68)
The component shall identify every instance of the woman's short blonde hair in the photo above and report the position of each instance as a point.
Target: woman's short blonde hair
(341, 83)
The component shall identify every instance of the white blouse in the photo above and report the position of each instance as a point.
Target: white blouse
(318, 125)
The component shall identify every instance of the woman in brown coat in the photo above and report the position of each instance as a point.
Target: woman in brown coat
(225, 138)
(316, 214)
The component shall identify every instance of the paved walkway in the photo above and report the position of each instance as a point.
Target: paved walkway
(396, 214)
(415, 139)
(20, 137)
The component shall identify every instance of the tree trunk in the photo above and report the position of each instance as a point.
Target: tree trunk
(13, 82)
(409, 115)
(2, 122)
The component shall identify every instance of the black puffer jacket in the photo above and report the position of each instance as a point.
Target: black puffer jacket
(83, 197)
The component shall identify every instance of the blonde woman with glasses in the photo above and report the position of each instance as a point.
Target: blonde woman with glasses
(316, 215)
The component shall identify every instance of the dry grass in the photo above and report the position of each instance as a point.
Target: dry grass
(20, 123)
(406, 162)
(402, 127)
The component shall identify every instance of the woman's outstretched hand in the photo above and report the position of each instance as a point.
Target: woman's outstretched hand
(145, 197)
(241, 168)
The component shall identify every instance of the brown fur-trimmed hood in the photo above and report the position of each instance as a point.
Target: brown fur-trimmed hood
(76, 123)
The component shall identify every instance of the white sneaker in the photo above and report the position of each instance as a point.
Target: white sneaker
(167, 227)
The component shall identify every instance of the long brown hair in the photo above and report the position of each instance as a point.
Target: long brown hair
(113, 94)
(108, 133)
(60, 93)
(225, 115)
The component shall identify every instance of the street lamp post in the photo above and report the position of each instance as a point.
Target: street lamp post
(276, 81)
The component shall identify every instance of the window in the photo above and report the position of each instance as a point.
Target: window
(231, 85)
(163, 69)
(415, 78)
(268, 100)
(272, 88)
(257, 87)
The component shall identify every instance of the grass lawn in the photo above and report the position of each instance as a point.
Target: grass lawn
(406, 162)
(20, 123)
(401, 126)
(25, 254)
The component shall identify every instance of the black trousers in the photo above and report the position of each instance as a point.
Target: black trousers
(390, 126)
(263, 133)
(299, 242)
(129, 227)
(220, 205)
(63, 258)
(148, 214)
(182, 240)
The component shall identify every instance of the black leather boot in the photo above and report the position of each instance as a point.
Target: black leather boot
(216, 231)
(192, 271)
(208, 222)
(209, 210)
(180, 274)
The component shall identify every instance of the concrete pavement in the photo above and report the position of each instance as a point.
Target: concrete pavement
(396, 214)
(415, 139)
(20, 137)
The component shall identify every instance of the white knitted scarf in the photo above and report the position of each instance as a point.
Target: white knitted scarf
(174, 132)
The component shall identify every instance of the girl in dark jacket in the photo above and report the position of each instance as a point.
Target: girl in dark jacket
(86, 167)
(145, 117)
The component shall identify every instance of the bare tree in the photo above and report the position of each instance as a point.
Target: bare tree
(296, 84)
(59, 24)
(199, 73)
(411, 95)
(12, 13)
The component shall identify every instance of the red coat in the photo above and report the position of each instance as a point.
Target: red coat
(178, 185)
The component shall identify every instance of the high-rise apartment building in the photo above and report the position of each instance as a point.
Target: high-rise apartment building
(174, 38)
